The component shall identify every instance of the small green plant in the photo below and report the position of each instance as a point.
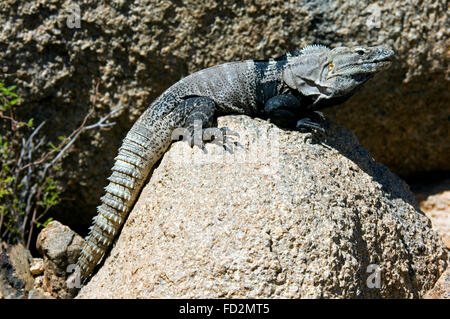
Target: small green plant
(15, 205)
(28, 167)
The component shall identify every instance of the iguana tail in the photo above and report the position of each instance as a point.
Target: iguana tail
(140, 150)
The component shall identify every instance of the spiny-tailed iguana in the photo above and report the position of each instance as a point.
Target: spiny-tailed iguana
(287, 90)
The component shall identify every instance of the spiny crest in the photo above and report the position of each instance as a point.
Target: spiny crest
(313, 48)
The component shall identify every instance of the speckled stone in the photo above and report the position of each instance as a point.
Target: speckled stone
(437, 209)
(441, 289)
(284, 215)
(60, 247)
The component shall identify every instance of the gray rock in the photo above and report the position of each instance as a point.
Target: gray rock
(37, 266)
(39, 291)
(127, 53)
(15, 276)
(285, 215)
(60, 247)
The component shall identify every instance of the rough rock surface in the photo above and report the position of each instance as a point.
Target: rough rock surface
(437, 208)
(15, 276)
(434, 201)
(284, 215)
(38, 291)
(128, 52)
(60, 247)
(441, 289)
(37, 266)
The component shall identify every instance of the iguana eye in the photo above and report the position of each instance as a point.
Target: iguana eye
(360, 52)
(330, 67)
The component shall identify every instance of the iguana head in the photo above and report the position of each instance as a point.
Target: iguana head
(321, 73)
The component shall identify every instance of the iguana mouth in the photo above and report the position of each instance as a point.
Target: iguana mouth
(381, 63)
(383, 59)
(386, 60)
(371, 67)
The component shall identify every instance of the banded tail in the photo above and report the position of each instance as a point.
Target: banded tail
(140, 150)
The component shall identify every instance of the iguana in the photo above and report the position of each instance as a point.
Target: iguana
(288, 91)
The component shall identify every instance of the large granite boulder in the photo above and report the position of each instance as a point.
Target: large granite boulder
(282, 214)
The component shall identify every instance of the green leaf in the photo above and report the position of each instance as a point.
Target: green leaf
(30, 122)
(44, 224)
(8, 93)
(9, 179)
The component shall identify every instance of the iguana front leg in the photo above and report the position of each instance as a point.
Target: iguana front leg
(311, 121)
(198, 126)
(287, 111)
